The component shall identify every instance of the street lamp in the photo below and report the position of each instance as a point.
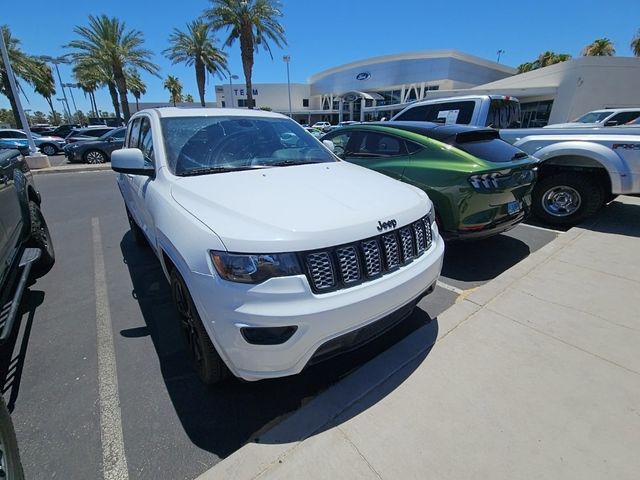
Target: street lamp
(500, 52)
(57, 61)
(232, 77)
(287, 59)
(70, 86)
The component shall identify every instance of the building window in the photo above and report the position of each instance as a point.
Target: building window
(243, 102)
(223, 104)
(305, 102)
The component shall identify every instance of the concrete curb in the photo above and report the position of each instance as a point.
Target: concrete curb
(321, 413)
(72, 169)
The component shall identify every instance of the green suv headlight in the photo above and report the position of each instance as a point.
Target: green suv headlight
(251, 268)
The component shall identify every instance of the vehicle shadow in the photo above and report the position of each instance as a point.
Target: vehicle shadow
(617, 218)
(483, 259)
(222, 418)
(12, 361)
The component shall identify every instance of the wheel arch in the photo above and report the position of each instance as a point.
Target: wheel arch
(572, 163)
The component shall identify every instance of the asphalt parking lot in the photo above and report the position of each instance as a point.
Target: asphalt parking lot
(172, 426)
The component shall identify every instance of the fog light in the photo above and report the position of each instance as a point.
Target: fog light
(267, 335)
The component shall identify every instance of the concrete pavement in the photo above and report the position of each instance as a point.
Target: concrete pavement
(534, 375)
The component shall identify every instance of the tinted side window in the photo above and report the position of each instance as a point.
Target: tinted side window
(448, 112)
(374, 144)
(624, 117)
(7, 134)
(134, 134)
(412, 147)
(340, 141)
(146, 140)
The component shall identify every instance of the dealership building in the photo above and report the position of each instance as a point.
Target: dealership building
(379, 87)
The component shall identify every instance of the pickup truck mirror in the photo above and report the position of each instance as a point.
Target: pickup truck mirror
(329, 144)
(131, 161)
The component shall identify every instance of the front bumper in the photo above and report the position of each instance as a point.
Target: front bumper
(73, 156)
(227, 307)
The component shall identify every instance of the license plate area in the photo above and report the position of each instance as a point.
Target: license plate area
(513, 207)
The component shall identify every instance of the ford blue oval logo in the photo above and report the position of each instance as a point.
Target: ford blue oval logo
(363, 76)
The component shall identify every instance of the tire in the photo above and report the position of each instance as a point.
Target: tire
(566, 198)
(95, 157)
(48, 149)
(202, 354)
(136, 231)
(10, 465)
(40, 238)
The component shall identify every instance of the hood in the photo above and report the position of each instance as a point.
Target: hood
(298, 208)
(573, 125)
(50, 138)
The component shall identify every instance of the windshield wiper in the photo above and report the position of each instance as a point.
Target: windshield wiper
(208, 170)
(286, 163)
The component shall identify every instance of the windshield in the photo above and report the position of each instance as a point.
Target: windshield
(593, 117)
(201, 145)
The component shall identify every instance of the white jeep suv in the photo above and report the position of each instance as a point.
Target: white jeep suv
(279, 254)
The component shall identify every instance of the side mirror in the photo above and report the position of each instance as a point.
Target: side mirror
(131, 161)
(610, 123)
(329, 144)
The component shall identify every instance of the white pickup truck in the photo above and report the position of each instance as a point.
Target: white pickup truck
(580, 169)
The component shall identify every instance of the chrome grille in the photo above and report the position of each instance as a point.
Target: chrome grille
(349, 265)
(391, 253)
(321, 270)
(407, 243)
(372, 260)
(418, 231)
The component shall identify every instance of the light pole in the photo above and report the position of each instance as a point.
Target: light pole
(16, 95)
(287, 59)
(500, 52)
(232, 77)
(70, 86)
(57, 61)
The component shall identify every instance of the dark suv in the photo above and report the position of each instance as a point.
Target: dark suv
(26, 252)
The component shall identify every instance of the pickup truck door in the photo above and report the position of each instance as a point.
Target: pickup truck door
(11, 221)
(125, 180)
(140, 184)
(378, 151)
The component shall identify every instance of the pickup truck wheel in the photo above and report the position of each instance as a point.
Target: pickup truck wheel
(10, 466)
(40, 238)
(201, 352)
(567, 198)
(136, 231)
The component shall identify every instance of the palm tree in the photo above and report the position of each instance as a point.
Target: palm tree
(635, 44)
(255, 23)
(189, 98)
(45, 85)
(602, 47)
(97, 71)
(89, 87)
(175, 89)
(137, 87)
(197, 47)
(24, 67)
(107, 41)
(544, 60)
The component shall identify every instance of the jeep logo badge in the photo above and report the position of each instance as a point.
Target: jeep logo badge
(363, 76)
(386, 225)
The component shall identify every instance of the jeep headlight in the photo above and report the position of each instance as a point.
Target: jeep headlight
(250, 268)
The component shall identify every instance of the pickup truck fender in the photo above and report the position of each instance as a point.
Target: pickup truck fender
(582, 154)
(25, 193)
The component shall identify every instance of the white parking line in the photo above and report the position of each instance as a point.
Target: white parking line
(451, 288)
(541, 228)
(114, 462)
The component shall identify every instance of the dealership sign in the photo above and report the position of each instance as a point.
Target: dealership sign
(363, 76)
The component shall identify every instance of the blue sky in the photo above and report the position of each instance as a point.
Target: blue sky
(325, 33)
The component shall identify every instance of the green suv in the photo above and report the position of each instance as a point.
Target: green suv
(479, 184)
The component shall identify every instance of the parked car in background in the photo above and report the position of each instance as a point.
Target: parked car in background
(602, 118)
(42, 129)
(46, 144)
(95, 151)
(26, 252)
(16, 144)
(64, 130)
(313, 258)
(480, 185)
(324, 126)
(314, 131)
(496, 111)
(88, 133)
